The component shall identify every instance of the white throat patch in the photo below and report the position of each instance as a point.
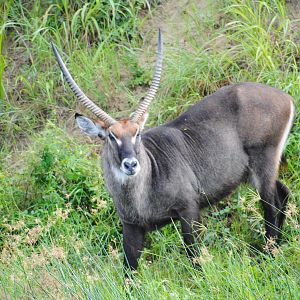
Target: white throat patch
(120, 175)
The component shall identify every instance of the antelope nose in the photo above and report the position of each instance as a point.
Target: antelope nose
(130, 165)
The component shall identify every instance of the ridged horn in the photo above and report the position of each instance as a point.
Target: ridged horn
(144, 104)
(102, 115)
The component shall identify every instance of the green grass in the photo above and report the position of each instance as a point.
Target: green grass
(60, 237)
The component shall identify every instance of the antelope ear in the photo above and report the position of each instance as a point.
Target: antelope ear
(89, 127)
(143, 121)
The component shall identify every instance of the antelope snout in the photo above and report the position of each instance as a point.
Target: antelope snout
(130, 166)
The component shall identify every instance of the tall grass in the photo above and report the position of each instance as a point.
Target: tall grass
(4, 24)
(102, 32)
(2, 67)
(60, 237)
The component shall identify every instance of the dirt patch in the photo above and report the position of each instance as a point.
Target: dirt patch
(176, 20)
(179, 23)
(293, 8)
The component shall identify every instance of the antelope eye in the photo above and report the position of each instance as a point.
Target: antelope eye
(111, 136)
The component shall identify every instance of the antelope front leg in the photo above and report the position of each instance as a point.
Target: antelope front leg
(188, 218)
(133, 243)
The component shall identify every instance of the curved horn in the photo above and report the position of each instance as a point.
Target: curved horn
(79, 93)
(144, 104)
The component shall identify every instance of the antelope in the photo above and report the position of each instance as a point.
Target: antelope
(172, 171)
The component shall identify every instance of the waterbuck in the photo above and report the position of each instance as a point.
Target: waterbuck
(170, 172)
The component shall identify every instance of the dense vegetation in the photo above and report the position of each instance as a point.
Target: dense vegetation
(60, 237)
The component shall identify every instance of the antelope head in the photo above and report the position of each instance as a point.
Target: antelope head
(122, 136)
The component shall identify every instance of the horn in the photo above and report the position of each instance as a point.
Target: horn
(79, 93)
(144, 104)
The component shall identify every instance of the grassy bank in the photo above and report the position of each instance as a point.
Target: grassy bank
(60, 237)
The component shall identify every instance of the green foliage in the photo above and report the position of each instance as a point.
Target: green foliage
(3, 12)
(139, 77)
(59, 234)
(2, 67)
(263, 37)
(92, 33)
